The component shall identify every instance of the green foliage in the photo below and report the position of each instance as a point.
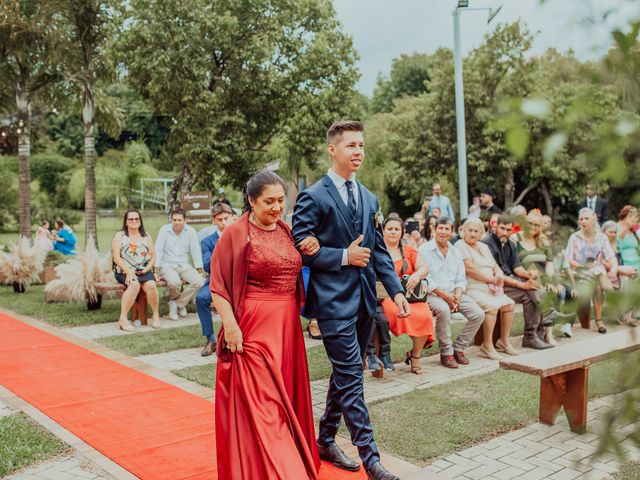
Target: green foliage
(409, 77)
(258, 69)
(50, 170)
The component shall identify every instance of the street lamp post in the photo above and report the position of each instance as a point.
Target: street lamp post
(460, 120)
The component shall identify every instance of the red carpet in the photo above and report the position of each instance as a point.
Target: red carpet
(153, 429)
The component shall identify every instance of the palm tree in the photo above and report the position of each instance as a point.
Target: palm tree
(26, 44)
(87, 23)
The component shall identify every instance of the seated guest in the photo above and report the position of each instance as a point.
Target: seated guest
(610, 230)
(133, 260)
(487, 196)
(588, 253)
(221, 214)
(535, 256)
(519, 284)
(64, 239)
(627, 264)
(435, 212)
(419, 324)
(485, 282)
(176, 242)
(447, 284)
(628, 241)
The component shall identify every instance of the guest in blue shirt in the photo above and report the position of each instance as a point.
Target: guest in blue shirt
(65, 240)
(222, 216)
(441, 202)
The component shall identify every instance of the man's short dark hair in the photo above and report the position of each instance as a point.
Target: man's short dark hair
(178, 211)
(220, 207)
(504, 220)
(335, 131)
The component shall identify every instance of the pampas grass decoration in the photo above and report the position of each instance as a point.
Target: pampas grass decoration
(78, 277)
(23, 264)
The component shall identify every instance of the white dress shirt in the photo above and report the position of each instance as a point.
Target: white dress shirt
(173, 250)
(340, 182)
(446, 273)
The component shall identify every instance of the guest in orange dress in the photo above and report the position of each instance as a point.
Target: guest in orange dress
(419, 324)
(264, 420)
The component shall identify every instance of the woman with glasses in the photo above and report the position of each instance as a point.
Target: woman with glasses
(133, 260)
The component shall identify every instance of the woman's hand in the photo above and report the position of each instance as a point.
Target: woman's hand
(130, 277)
(233, 337)
(412, 282)
(309, 246)
(498, 279)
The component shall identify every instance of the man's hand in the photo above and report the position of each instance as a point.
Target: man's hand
(452, 299)
(309, 246)
(528, 285)
(403, 305)
(358, 256)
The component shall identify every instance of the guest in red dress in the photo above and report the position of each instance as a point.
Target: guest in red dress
(264, 419)
(419, 324)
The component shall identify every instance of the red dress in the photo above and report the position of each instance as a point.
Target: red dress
(420, 322)
(264, 419)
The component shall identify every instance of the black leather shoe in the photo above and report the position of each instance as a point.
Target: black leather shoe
(378, 472)
(335, 456)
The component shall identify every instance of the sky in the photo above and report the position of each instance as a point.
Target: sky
(384, 29)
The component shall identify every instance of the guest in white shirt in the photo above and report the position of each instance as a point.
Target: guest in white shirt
(176, 242)
(440, 201)
(447, 284)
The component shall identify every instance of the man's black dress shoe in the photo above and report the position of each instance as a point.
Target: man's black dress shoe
(334, 455)
(378, 472)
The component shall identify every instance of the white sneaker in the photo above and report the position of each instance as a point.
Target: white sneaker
(565, 328)
(182, 311)
(173, 311)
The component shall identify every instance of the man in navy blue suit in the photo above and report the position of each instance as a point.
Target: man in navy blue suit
(346, 220)
(221, 214)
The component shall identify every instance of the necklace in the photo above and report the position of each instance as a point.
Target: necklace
(261, 225)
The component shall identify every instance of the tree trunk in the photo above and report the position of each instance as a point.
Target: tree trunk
(183, 183)
(88, 113)
(509, 188)
(547, 199)
(24, 156)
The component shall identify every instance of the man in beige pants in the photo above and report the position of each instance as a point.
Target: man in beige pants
(176, 242)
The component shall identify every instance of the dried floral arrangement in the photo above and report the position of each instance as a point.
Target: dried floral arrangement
(77, 278)
(22, 264)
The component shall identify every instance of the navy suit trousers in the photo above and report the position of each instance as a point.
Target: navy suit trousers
(346, 341)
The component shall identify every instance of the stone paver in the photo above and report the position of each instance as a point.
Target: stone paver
(67, 468)
(540, 452)
(178, 359)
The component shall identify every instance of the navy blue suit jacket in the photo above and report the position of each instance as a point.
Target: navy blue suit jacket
(207, 245)
(336, 291)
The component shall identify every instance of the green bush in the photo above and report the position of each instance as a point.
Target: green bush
(51, 170)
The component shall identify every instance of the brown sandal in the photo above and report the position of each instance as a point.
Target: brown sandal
(409, 361)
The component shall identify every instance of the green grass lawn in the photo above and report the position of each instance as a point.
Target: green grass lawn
(629, 471)
(427, 424)
(23, 442)
(32, 303)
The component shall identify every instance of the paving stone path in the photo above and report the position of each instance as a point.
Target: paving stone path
(534, 452)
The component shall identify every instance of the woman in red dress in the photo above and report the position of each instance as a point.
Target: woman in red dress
(419, 324)
(264, 419)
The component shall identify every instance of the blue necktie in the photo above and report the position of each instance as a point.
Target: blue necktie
(351, 203)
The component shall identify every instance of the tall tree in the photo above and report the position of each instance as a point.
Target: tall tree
(26, 44)
(87, 24)
(234, 75)
(409, 76)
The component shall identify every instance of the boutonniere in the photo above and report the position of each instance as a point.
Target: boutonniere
(379, 218)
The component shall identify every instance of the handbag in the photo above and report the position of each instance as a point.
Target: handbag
(419, 293)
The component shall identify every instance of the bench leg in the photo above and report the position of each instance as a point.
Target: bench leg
(139, 309)
(568, 390)
(479, 338)
(584, 315)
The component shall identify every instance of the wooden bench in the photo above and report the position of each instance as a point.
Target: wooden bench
(564, 372)
(139, 309)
